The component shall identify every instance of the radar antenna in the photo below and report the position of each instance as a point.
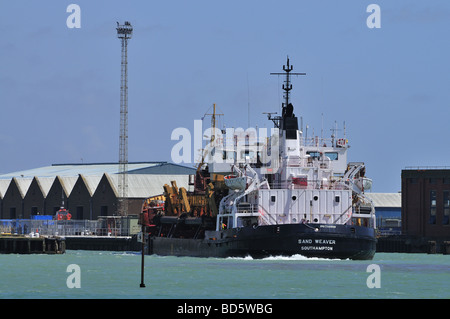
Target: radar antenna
(287, 86)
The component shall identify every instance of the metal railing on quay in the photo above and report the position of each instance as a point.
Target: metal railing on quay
(66, 227)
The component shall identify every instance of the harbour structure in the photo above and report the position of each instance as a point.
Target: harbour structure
(14, 244)
(285, 195)
(86, 190)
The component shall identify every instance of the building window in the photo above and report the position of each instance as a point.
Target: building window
(446, 180)
(445, 220)
(432, 207)
(433, 180)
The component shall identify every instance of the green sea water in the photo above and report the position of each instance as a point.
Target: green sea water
(109, 275)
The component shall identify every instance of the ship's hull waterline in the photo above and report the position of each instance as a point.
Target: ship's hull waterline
(309, 240)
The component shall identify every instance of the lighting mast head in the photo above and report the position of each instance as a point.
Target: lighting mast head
(124, 31)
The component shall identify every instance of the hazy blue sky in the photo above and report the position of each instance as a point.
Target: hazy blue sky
(59, 87)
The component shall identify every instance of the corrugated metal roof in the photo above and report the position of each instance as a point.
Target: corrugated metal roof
(4, 184)
(66, 170)
(165, 168)
(139, 186)
(23, 184)
(91, 183)
(386, 199)
(146, 185)
(45, 183)
(68, 182)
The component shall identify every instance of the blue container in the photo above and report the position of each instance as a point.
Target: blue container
(42, 217)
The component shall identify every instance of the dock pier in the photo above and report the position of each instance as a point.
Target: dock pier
(17, 244)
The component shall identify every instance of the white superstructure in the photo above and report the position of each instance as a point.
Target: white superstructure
(293, 179)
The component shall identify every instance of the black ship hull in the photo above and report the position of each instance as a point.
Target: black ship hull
(309, 240)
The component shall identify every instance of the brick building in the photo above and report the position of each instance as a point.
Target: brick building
(426, 203)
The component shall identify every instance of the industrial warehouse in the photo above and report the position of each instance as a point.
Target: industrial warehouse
(88, 191)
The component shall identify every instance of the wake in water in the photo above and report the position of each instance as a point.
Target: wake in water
(296, 257)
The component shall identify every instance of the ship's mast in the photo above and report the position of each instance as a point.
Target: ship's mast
(287, 86)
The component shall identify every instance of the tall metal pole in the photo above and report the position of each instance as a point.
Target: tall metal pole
(124, 33)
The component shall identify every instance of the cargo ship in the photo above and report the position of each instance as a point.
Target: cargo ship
(280, 195)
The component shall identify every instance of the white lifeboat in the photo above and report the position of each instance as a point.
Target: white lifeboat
(236, 182)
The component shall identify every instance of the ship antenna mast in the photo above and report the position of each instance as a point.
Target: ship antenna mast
(287, 86)
(124, 33)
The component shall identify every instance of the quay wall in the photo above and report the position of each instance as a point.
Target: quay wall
(11, 244)
(413, 244)
(119, 243)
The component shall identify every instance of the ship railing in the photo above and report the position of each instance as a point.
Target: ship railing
(247, 209)
(307, 184)
(309, 162)
(316, 141)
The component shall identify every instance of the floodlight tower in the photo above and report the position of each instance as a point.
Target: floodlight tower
(124, 33)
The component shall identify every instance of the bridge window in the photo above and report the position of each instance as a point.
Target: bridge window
(332, 155)
(313, 154)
